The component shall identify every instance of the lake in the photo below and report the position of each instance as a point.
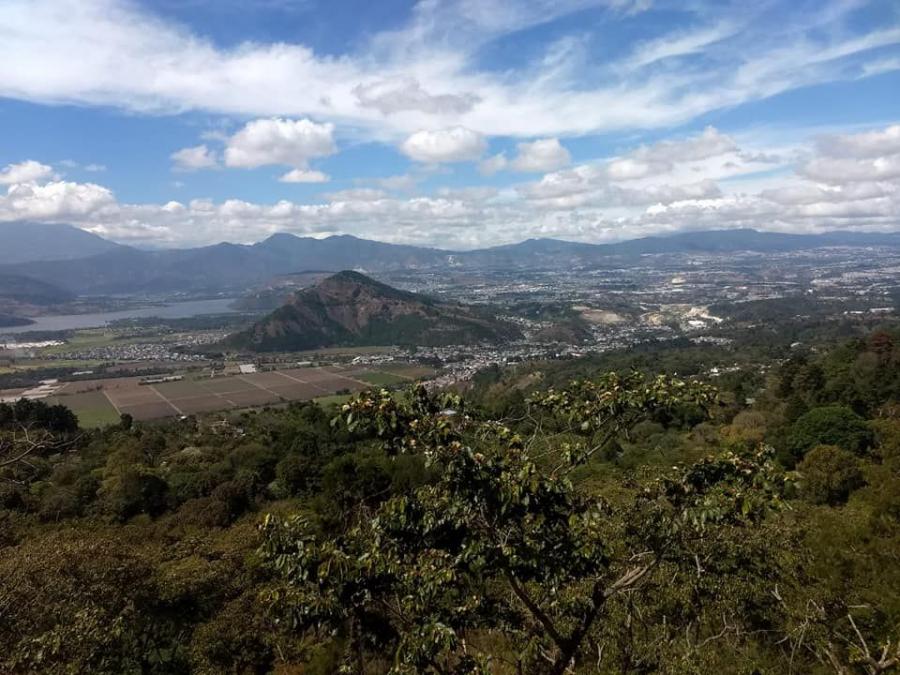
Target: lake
(175, 310)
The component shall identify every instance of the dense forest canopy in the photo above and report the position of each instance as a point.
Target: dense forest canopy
(596, 515)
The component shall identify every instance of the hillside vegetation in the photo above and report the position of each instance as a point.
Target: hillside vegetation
(625, 523)
(350, 309)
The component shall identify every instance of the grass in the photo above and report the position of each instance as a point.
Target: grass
(334, 351)
(83, 339)
(92, 408)
(380, 379)
(409, 372)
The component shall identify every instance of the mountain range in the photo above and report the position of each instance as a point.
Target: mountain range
(350, 309)
(85, 264)
(22, 242)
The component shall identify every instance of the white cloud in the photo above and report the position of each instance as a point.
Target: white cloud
(853, 158)
(676, 45)
(584, 202)
(456, 144)
(709, 143)
(356, 195)
(91, 168)
(403, 94)
(402, 182)
(867, 144)
(304, 176)
(279, 141)
(480, 193)
(428, 73)
(840, 170)
(195, 158)
(493, 164)
(56, 200)
(545, 154)
(24, 172)
(577, 180)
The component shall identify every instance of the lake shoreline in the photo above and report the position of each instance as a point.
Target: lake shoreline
(173, 310)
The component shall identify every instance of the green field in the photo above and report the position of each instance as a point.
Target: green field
(408, 371)
(92, 408)
(85, 339)
(336, 351)
(382, 379)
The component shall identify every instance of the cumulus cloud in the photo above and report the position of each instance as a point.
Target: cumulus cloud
(843, 170)
(195, 158)
(402, 182)
(279, 141)
(853, 158)
(545, 154)
(56, 200)
(356, 195)
(304, 176)
(662, 156)
(583, 202)
(493, 164)
(456, 144)
(578, 179)
(866, 144)
(24, 172)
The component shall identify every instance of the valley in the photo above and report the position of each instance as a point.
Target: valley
(449, 337)
(449, 323)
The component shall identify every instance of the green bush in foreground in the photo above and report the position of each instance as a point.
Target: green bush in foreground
(501, 562)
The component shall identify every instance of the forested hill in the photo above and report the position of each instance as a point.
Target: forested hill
(735, 522)
(349, 308)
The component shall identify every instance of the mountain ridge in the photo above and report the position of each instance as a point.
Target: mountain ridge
(23, 242)
(227, 266)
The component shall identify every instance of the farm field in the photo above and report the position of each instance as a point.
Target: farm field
(92, 408)
(102, 401)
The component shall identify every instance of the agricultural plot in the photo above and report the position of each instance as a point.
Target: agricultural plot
(380, 379)
(92, 408)
(408, 371)
(99, 402)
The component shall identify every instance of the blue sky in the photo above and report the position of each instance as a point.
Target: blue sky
(456, 123)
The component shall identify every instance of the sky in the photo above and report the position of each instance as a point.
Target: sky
(457, 124)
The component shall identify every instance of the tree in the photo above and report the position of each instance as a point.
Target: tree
(829, 425)
(502, 562)
(37, 414)
(31, 429)
(830, 474)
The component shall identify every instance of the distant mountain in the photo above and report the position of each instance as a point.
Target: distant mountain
(237, 267)
(349, 308)
(22, 242)
(223, 266)
(27, 291)
(536, 253)
(346, 252)
(728, 241)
